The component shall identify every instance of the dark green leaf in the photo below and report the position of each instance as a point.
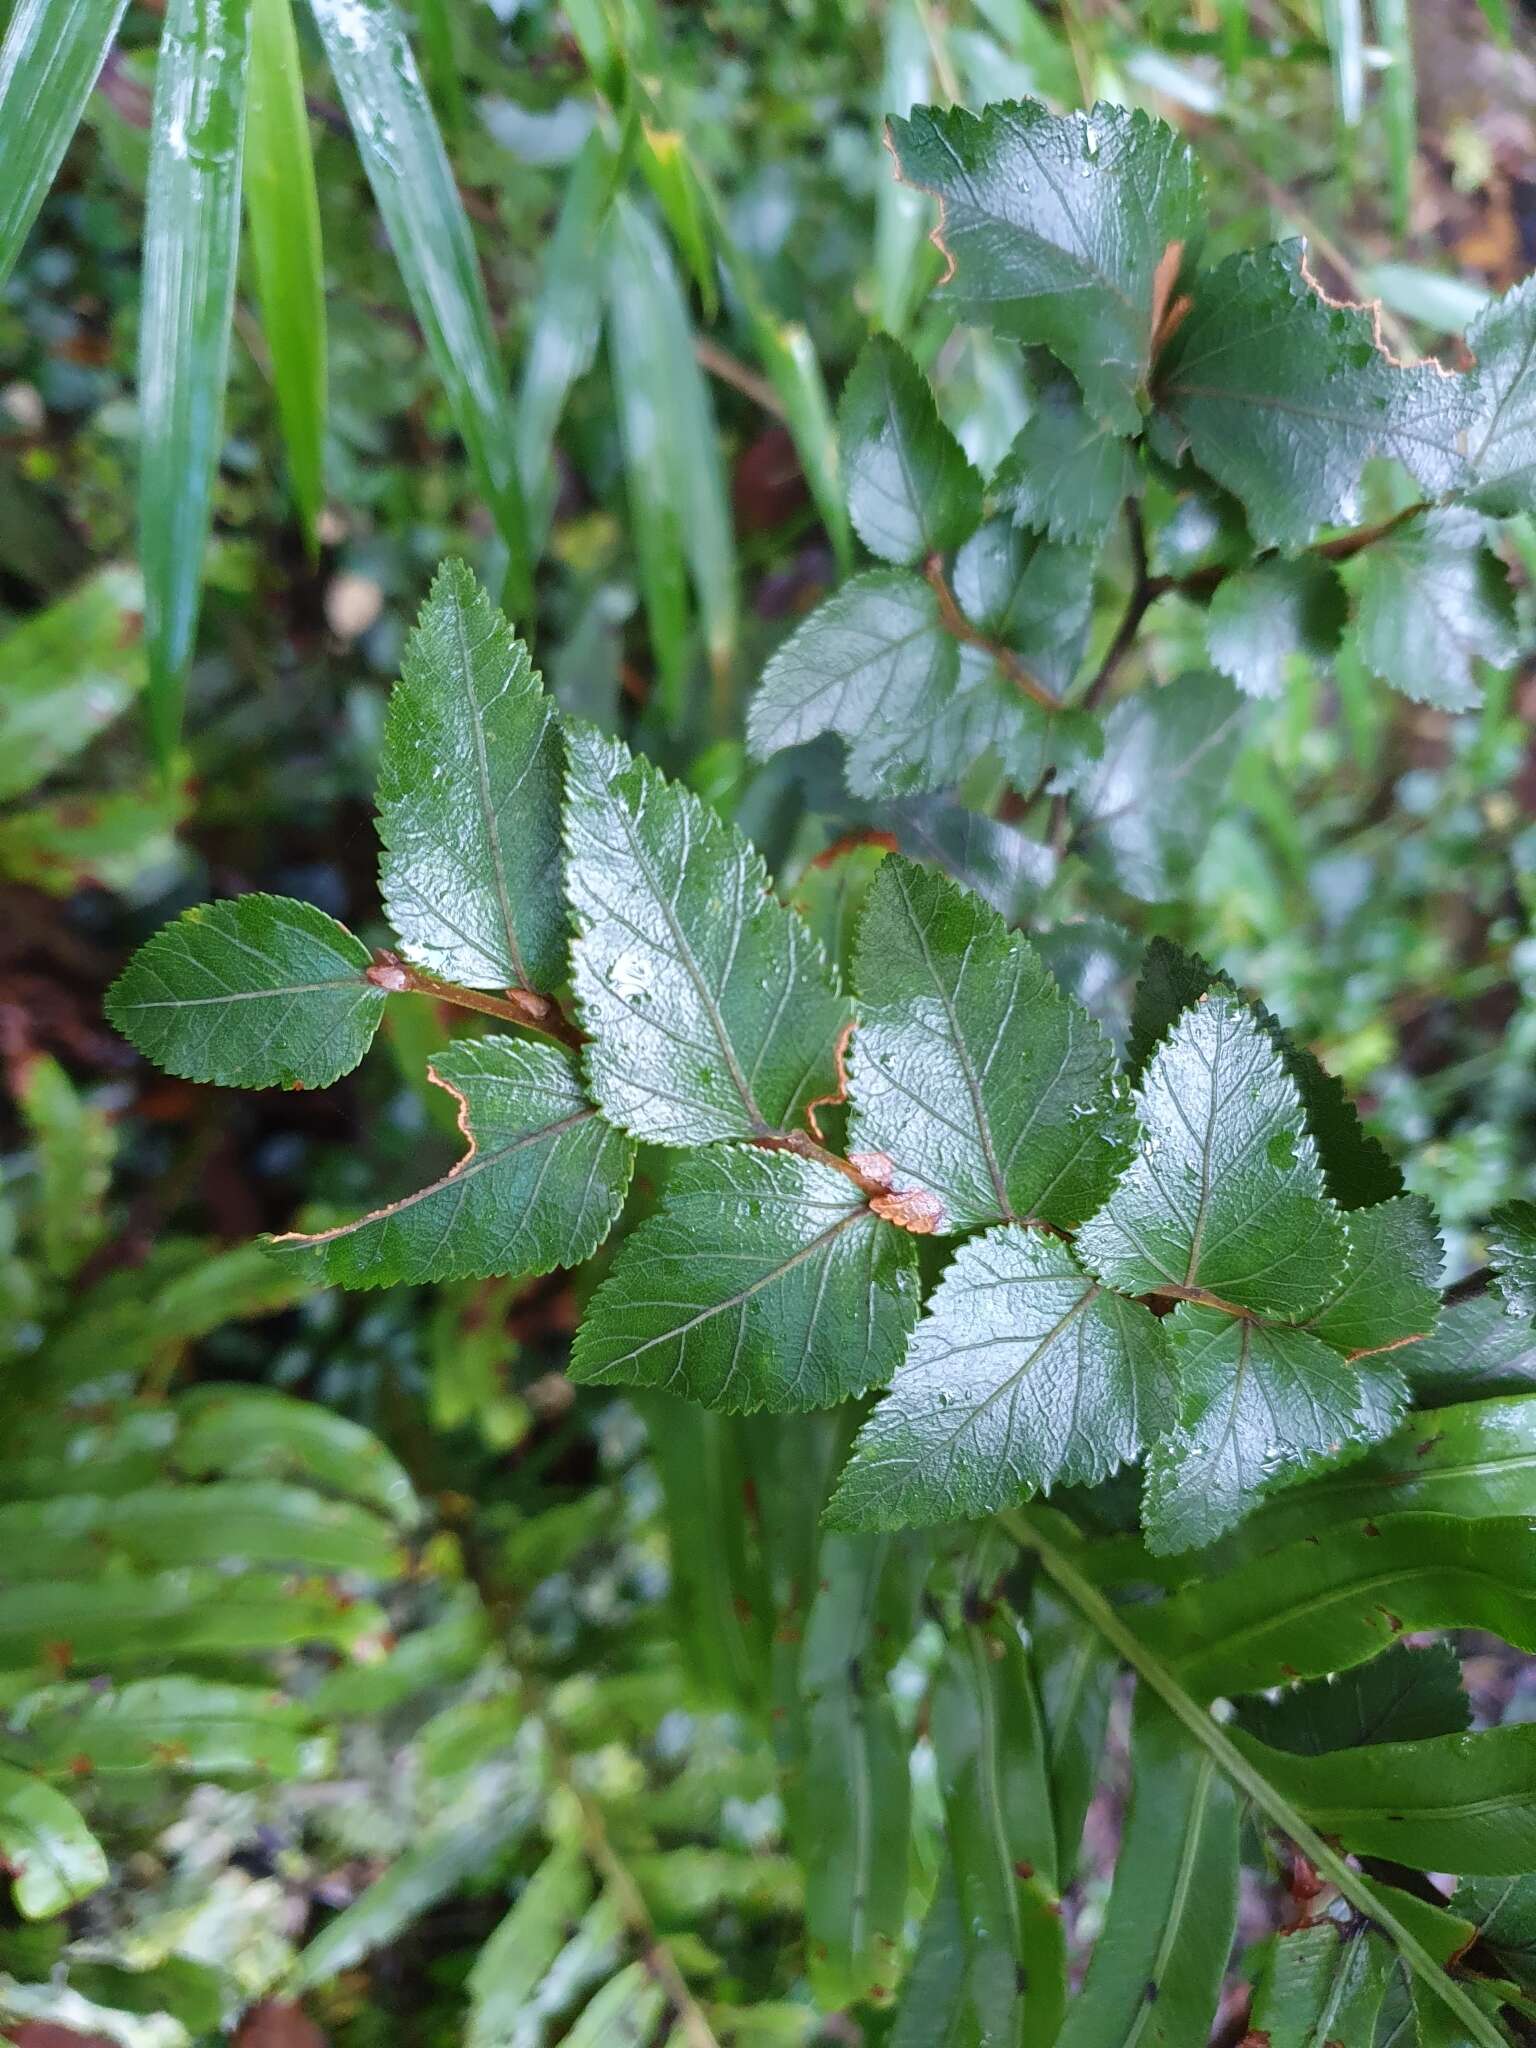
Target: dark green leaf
(1432, 603)
(70, 670)
(1077, 1672)
(51, 57)
(418, 200)
(1356, 1168)
(1066, 473)
(874, 665)
(260, 1432)
(990, 1752)
(1512, 1251)
(51, 1856)
(911, 491)
(191, 240)
(1061, 230)
(134, 1620)
(521, 1948)
(1320, 1606)
(1453, 1802)
(987, 1087)
(1504, 1912)
(1156, 1970)
(1022, 1374)
(1281, 396)
(1225, 1193)
(1033, 595)
(540, 1186)
(257, 992)
(712, 1011)
(469, 799)
(1258, 1408)
(1262, 616)
(933, 2011)
(1142, 808)
(283, 211)
(1474, 1349)
(765, 1281)
(1400, 1696)
(1390, 1290)
(1320, 1985)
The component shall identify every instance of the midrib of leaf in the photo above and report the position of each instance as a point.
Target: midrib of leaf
(1189, 1855)
(745, 1294)
(691, 966)
(487, 807)
(963, 1053)
(1011, 1383)
(1249, 1779)
(255, 995)
(1207, 1138)
(477, 1162)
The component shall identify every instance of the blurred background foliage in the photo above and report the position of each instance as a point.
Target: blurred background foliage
(504, 1638)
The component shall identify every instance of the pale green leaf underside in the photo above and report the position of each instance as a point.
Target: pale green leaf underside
(712, 1011)
(765, 1282)
(540, 1187)
(970, 1069)
(469, 799)
(1225, 1193)
(1022, 1375)
(256, 992)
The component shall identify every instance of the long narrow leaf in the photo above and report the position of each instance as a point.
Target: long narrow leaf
(49, 59)
(413, 182)
(191, 241)
(681, 510)
(284, 213)
(902, 257)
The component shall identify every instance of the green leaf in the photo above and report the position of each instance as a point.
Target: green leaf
(1453, 1802)
(765, 1281)
(1033, 595)
(126, 1619)
(1141, 808)
(191, 242)
(256, 1522)
(539, 1187)
(904, 262)
(256, 992)
(1432, 602)
(283, 211)
(875, 665)
(52, 1858)
(1157, 1966)
(1061, 230)
(469, 799)
(1475, 1348)
(1315, 1607)
(987, 1087)
(911, 491)
(990, 1753)
(1390, 1291)
(1320, 1985)
(521, 1948)
(1066, 473)
(712, 1011)
(182, 1725)
(1281, 396)
(75, 1146)
(119, 839)
(1504, 1912)
(259, 1432)
(679, 505)
(1356, 1168)
(1262, 616)
(1225, 1193)
(932, 2011)
(1400, 1696)
(1077, 1675)
(1512, 1251)
(1021, 1376)
(624, 2014)
(70, 671)
(1258, 1408)
(1501, 438)
(563, 328)
(418, 200)
(51, 57)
